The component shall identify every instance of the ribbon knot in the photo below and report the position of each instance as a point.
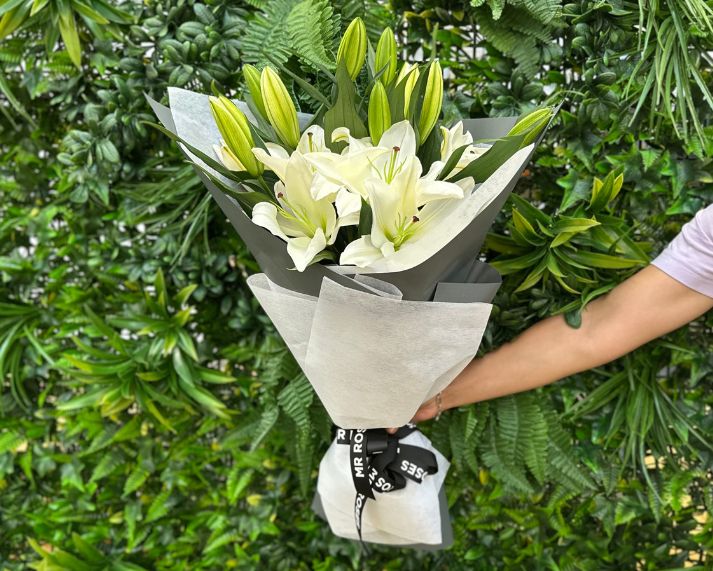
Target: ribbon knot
(380, 462)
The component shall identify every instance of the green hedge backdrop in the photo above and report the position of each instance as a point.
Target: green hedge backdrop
(150, 416)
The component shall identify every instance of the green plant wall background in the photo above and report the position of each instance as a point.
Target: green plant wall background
(150, 416)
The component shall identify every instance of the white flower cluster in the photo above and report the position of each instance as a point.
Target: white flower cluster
(320, 191)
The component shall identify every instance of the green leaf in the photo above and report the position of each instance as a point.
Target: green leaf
(490, 161)
(344, 112)
(136, 479)
(238, 481)
(70, 36)
(452, 162)
(88, 551)
(13, 19)
(605, 261)
(566, 224)
(366, 217)
(524, 229)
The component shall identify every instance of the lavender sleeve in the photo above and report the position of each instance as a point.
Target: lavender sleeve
(689, 257)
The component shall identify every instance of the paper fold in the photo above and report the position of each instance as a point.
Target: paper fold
(373, 359)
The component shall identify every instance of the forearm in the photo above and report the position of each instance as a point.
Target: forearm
(642, 308)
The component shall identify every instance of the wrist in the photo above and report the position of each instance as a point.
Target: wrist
(458, 392)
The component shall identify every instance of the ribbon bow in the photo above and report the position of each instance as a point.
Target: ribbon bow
(379, 462)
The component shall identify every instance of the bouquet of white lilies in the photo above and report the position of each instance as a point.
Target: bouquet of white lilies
(367, 219)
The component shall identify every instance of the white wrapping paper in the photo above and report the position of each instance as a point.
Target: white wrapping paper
(408, 516)
(373, 358)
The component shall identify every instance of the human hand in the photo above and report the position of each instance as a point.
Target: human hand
(432, 408)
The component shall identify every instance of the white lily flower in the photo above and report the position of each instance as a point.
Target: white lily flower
(453, 139)
(311, 141)
(403, 209)
(275, 158)
(307, 225)
(361, 161)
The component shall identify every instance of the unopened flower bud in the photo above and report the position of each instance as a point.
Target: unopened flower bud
(532, 124)
(409, 73)
(252, 80)
(280, 109)
(352, 48)
(432, 101)
(235, 129)
(385, 58)
(379, 113)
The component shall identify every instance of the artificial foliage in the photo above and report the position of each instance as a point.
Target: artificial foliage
(151, 417)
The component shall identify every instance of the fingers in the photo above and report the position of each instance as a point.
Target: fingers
(427, 411)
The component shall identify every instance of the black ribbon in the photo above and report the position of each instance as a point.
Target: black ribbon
(379, 462)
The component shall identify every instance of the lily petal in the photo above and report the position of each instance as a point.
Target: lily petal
(453, 139)
(349, 170)
(275, 160)
(400, 135)
(265, 215)
(312, 140)
(348, 205)
(360, 253)
(302, 250)
(342, 135)
(348, 211)
(323, 188)
(429, 190)
(226, 156)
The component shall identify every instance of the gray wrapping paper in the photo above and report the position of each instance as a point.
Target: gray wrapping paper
(440, 258)
(416, 515)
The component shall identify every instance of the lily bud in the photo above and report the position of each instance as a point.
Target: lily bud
(532, 124)
(386, 56)
(352, 48)
(235, 129)
(279, 108)
(432, 101)
(379, 113)
(409, 73)
(252, 80)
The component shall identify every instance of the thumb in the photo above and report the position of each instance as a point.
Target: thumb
(427, 411)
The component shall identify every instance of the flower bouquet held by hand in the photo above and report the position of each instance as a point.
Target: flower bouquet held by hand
(367, 219)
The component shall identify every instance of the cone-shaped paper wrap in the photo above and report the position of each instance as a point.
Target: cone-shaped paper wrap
(371, 357)
(413, 516)
(417, 269)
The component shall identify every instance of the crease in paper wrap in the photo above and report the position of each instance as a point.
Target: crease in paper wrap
(371, 358)
(411, 515)
(416, 269)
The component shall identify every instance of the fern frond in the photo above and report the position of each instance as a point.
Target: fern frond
(544, 11)
(108, 463)
(304, 461)
(562, 463)
(159, 506)
(267, 421)
(494, 457)
(304, 28)
(295, 399)
(313, 28)
(267, 38)
(514, 35)
(536, 444)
